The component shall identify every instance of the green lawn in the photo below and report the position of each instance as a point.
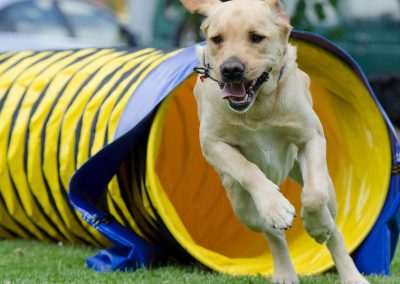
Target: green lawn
(34, 262)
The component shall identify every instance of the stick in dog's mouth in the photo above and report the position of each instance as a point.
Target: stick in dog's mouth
(241, 95)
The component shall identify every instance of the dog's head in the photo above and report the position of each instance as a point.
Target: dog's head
(246, 38)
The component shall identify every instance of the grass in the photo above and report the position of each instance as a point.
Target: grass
(34, 262)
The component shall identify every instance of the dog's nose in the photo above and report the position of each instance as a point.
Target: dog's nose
(232, 70)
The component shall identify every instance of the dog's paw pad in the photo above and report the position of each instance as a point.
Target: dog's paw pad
(320, 235)
(319, 225)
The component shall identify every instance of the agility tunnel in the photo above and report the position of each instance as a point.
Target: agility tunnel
(100, 146)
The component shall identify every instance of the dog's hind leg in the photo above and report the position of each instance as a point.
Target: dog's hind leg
(246, 211)
(345, 266)
(283, 268)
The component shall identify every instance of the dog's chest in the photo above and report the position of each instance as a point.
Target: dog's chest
(269, 150)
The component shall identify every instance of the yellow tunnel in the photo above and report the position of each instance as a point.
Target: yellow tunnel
(189, 195)
(70, 139)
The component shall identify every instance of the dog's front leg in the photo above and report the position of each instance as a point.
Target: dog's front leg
(318, 198)
(256, 201)
(275, 210)
(319, 208)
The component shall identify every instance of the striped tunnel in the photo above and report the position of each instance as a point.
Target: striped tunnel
(51, 105)
(100, 146)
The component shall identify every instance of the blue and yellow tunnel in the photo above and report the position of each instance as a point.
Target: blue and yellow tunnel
(100, 146)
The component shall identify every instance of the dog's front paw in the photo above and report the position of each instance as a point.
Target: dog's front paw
(276, 211)
(318, 224)
(286, 279)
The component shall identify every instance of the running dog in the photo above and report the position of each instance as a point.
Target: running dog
(258, 127)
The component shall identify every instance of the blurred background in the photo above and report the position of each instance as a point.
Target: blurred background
(368, 29)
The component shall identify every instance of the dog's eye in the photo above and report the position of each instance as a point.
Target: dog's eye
(254, 38)
(216, 39)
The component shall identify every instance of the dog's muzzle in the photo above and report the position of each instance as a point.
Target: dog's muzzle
(239, 92)
(241, 95)
(236, 89)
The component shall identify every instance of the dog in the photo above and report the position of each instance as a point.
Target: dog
(258, 127)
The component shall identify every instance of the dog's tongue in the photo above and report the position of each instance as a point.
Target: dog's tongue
(234, 90)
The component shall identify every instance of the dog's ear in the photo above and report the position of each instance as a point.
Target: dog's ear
(282, 19)
(200, 6)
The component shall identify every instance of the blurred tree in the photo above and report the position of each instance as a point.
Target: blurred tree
(301, 17)
(306, 11)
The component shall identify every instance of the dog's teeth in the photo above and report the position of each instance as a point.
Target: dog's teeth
(251, 91)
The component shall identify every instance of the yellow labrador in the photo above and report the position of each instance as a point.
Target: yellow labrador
(257, 127)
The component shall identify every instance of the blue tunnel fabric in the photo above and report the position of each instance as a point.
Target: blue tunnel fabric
(89, 183)
(85, 192)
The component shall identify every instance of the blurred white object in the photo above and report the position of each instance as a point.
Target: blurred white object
(59, 24)
(142, 18)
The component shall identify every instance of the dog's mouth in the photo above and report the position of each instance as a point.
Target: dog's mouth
(241, 95)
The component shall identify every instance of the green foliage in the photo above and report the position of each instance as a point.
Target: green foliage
(301, 17)
(334, 3)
